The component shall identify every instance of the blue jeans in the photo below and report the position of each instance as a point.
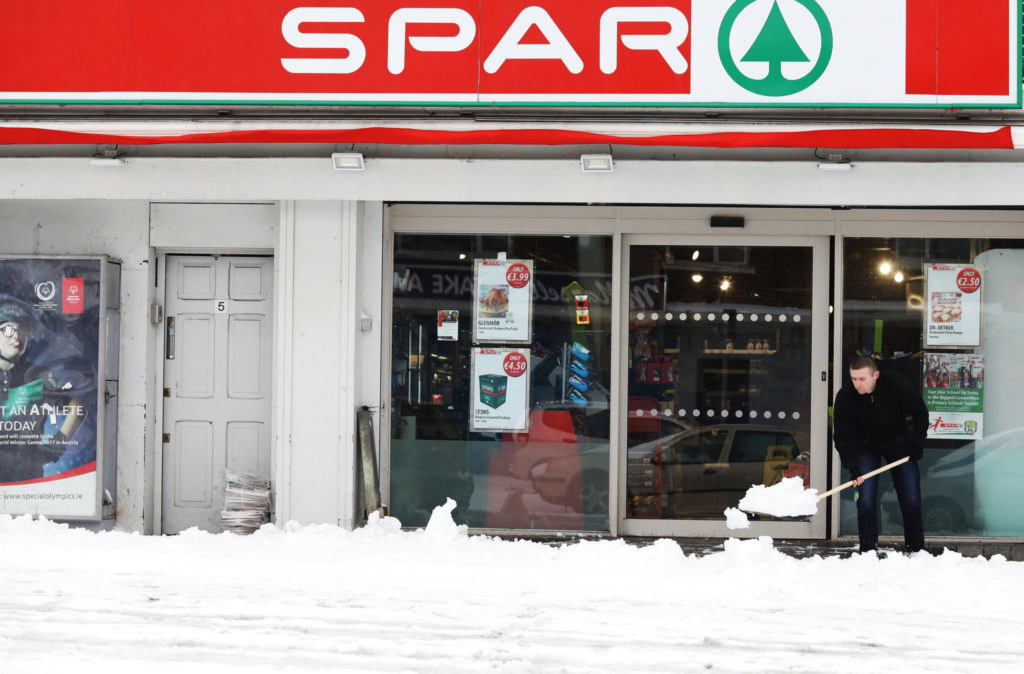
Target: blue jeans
(906, 479)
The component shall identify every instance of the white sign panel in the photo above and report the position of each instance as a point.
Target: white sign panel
(503, 300)
(448, 325)
(835, 52)
(953, 314)
(501, 389)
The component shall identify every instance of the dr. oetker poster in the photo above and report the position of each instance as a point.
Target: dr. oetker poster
(49, 350)
(953, 314)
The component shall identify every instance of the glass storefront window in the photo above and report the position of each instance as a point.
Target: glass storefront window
(719, 375)
(466, 351)
(903, 304)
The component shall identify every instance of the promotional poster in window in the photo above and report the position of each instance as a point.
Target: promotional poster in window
(49, 351)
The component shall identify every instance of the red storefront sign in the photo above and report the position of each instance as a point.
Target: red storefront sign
(476, 52)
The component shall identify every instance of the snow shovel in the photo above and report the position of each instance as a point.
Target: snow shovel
(830, 492)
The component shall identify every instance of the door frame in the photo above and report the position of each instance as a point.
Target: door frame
(158, 316)
(199, 228)
(821, 246)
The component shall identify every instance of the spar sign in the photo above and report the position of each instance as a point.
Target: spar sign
(910, 53)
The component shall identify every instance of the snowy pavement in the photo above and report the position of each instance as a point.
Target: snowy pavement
(379, 599)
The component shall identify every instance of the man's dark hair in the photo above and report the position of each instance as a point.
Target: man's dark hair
(861, 362)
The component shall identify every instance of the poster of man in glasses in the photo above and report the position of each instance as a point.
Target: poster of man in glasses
(49, 348)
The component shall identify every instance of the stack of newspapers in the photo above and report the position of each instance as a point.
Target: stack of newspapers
(246, 503)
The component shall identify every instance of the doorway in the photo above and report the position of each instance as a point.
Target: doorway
(725, 378)
(217, 378)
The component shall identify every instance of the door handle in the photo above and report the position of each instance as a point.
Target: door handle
(169, 341)
(710, 471)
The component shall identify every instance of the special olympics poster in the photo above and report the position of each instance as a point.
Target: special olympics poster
(49, 352)
(954, 392)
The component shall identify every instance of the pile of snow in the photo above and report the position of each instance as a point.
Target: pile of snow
(736, 519)
(380, 599)
(786, 498)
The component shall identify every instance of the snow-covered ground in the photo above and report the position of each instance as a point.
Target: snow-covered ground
(379, 599)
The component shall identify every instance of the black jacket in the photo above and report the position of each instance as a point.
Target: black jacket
(893, 409)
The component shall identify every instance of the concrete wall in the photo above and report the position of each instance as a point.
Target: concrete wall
(330, 254)
(118, 229)
(896, 183)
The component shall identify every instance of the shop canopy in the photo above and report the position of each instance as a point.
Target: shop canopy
(658, 135)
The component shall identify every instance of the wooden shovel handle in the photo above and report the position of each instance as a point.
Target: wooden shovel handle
(876, 471)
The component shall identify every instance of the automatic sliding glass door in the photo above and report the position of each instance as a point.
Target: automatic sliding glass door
(721, 378)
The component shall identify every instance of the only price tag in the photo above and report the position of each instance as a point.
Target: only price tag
(968, 280)
(518, 275)
(514, 364)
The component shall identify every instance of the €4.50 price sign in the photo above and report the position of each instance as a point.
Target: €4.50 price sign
(501, 389)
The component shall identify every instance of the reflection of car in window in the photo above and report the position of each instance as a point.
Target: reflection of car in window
(947, 490)
(702, 470)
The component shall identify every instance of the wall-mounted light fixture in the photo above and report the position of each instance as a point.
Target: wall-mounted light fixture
(834, 161)
(348, 161)
(596, 163)
(106, 161)
(830, 166)
(109, 156)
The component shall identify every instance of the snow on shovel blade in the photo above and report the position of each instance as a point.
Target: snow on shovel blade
(787, 499)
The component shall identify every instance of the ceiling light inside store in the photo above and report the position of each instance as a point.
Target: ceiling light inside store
(348, 161)
(885, 268)
(697, 278)
(696, 254)
(898, 277)
(596, 163)
(725, 284)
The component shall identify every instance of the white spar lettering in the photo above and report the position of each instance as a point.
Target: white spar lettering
(509, 47)
(557, 47)
(294, 19)
(667, 45)
(403, 17)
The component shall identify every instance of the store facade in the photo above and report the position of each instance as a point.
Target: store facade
(564, 314)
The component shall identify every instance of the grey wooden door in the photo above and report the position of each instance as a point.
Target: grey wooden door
(217, 367)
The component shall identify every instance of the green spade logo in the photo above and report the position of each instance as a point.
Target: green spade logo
(775, 45)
